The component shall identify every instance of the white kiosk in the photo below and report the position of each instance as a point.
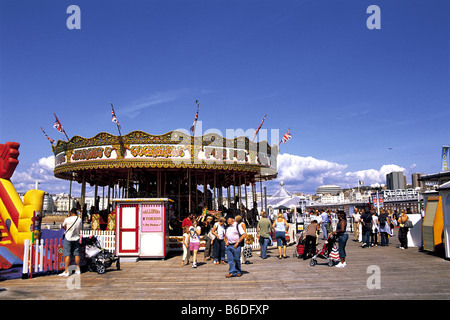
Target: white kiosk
(142, 228)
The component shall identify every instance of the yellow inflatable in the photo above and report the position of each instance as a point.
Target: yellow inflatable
(16, 223)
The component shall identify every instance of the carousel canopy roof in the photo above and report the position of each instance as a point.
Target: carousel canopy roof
(106, 158)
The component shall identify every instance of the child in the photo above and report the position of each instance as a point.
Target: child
(186, 252)
(194, 241)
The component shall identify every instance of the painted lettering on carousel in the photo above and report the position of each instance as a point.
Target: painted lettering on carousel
(88, 154)
(157, 151)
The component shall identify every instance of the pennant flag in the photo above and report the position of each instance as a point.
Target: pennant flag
(195, 119)
(59, 127)
(287, 136)
(49, 139)
(257, 130)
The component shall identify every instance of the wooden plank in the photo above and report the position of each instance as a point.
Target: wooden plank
(404, 274)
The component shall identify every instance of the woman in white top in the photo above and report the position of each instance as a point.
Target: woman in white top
(281, 226)
(219, 244)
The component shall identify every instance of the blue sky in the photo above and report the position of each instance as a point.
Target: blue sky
(348, 93)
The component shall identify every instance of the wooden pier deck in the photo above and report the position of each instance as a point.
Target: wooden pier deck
(404, 275)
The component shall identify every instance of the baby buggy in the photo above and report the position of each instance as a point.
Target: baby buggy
(98, 258)
(304, 249)
(329, 251)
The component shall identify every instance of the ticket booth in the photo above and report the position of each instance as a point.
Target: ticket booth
(444, 192)
(433, 224)
(142, 228)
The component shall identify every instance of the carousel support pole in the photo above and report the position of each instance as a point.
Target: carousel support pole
(158, 184)
(70, 193)
(179, 192)
(95, 196)
(229, 196)
(245, 186)
(262, 202)
(83, 191)
(234, 188)
(240, 193)
(128, 184)
(109, 197)
(196, 191)
(205, 197)
(214, 187)
(189, 188)
(165, 183)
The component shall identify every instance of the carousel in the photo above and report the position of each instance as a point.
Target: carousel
(188, 173)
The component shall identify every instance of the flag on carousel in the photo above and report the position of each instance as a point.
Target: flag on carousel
(114, 118)
(49, 139)
(257, 130)
(195, 119)
(287, 136)
(59, 127)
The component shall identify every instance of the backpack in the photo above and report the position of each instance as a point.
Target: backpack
(366, 220)
(382, 220)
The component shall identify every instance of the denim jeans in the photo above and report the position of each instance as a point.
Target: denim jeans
(342, 242)
(264, 242)
(366, 236)
(384, 238)
(324, 230)
(234, 259)
(219, 250)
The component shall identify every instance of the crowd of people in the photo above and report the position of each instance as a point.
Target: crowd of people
(370, 226)
(225, 236)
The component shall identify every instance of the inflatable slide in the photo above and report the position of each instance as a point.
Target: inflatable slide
(16, 216)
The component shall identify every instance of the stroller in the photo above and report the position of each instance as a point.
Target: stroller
(300, 245)
(98, 258)
(303, 250)
(329, 251)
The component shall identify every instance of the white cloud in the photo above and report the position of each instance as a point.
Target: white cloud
(42, 172)
(305, 174)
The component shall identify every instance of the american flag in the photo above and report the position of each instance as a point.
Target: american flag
(195, 119)
(49, 139)
(257, 130)
(287, 136)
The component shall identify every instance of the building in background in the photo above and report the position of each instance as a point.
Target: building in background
(395, 180)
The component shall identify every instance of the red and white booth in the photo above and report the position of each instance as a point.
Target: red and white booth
(142, 227)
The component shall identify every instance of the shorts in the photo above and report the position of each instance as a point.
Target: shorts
(194, 246)
(71, 248)
(281, 238)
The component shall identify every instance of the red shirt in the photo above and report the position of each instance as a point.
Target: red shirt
(186, 222)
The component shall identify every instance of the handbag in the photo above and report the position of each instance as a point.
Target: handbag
(408, 224)
(247, 251)
(211, 235)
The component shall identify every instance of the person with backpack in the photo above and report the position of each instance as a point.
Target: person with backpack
(366, 221)
(385, 230)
